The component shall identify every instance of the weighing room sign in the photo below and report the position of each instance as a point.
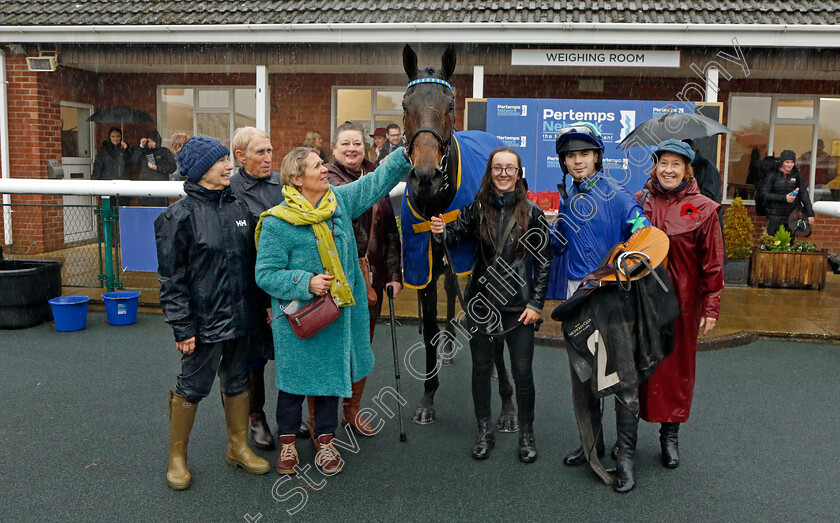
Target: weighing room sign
(595, 57)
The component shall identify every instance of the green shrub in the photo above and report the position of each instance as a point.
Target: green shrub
(737, 231)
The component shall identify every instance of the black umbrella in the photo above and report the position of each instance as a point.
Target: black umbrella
(121, 115)
(679, 126)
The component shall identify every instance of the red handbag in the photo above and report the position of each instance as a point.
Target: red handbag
(314, 316)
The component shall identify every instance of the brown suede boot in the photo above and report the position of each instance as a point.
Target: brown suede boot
(351, 417)
(238, 452)
(260, 432)
(181, 418)
(310, 403)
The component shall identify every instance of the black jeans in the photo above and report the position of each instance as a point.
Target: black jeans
(520, 342)
(289, 414)
(198, 370)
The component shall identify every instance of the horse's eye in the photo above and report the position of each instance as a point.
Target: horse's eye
(452, 107)
(403, 105)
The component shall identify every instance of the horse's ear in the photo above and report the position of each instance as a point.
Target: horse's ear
(410, 62)
(449, 60)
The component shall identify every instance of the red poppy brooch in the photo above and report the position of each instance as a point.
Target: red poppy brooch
(689, 212)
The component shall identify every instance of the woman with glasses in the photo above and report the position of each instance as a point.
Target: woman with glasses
(506, 291)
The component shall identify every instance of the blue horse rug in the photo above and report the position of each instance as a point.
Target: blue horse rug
(474, 147)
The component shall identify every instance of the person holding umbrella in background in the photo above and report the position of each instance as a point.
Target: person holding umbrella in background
(156, 163)
(113, 161)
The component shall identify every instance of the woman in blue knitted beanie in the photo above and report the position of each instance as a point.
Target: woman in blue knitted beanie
(206, 256)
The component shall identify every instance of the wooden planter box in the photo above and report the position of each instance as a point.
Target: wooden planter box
(796, 270)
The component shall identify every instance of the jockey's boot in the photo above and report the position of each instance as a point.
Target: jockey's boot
(238, 452)
(260, 432)
(527, 444)
(351, 417)
(627, 424)
(181, 418)
(668, 442)
(577, 456)
(484, 441)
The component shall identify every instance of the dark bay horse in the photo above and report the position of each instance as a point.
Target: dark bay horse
(432, 186)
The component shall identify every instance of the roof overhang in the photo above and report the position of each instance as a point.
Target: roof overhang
(747, 35)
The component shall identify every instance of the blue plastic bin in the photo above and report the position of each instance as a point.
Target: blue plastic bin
(69, 312)
(121, 307)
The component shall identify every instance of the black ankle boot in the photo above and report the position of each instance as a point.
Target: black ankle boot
(527, 444)
(669, 444)
(484, 441)
(627, 424)
(577, 457)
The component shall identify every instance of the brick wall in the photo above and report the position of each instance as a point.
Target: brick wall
(298, 103)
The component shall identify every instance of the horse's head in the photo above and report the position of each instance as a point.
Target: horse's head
(429, 119)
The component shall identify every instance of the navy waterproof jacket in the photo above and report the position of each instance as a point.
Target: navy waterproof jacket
(206, 257)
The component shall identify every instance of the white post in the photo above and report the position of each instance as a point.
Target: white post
(478, 81)
(262, 99)
(5, 168)
(712, 87)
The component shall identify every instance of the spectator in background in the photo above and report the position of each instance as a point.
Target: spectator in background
(156, 163)
(177, 142)
(395, 139)
(113, 162)
(315, 140)
(378, 152)
(377, 240)
(783, 192)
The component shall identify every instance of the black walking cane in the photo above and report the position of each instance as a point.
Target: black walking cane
(390, 290)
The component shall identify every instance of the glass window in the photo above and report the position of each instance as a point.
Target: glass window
(796, 109)
(214, 125)
(389, 100)
(826, 179)
(75, 132)
(749, 118)
(177, 113)
(205, 111)
(213, 99)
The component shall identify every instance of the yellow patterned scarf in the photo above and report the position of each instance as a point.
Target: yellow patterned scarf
(298, 211)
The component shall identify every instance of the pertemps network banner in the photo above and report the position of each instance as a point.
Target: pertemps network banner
(530, 127)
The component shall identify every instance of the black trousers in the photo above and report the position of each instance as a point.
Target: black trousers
(774, 221)
(198, 370)
(520, 343)
(289, 415)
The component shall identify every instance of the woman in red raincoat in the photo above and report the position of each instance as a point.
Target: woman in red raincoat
(674, 204)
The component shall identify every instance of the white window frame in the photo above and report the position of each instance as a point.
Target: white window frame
(814, 122)
(230, 111)
(373, 108)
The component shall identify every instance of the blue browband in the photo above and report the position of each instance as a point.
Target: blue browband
(430, 81)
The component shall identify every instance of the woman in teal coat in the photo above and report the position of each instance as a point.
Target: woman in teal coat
(305, 248)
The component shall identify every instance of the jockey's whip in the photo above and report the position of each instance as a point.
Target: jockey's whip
(390, 290)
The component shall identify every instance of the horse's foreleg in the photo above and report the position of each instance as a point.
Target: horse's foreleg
(508, 421)
(425, 412)
(447, 352)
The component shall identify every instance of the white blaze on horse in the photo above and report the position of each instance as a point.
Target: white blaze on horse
(448, 167)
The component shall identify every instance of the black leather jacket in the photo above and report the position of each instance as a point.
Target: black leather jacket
(206, 257)
(522, 280)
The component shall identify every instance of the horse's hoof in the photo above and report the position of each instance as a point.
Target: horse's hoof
(445, 360)
(424, 416)
(494, 374)
(507, 423)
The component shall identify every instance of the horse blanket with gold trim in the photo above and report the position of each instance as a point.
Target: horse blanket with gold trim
(474, 147)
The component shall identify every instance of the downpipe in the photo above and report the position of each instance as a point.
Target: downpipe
(5, 169)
